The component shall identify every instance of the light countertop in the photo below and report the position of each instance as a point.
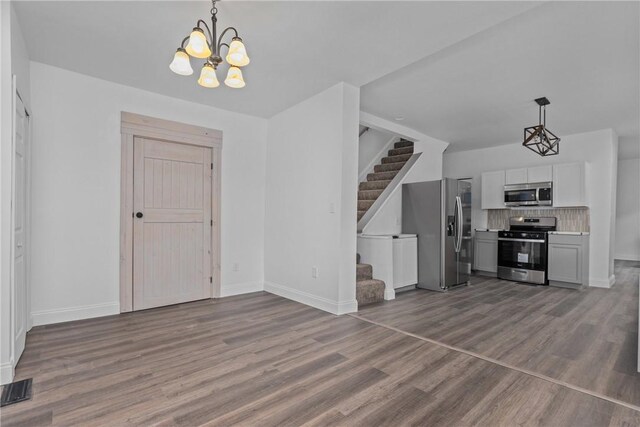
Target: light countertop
(493, 230)
(570, 233)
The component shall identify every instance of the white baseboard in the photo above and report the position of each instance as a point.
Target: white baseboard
(389, 294)
(46, 317)
(7, 373)
(603, 283)
(240, 288)
(306, 298)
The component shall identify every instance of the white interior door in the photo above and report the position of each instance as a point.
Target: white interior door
(19, 201)
(172, 223)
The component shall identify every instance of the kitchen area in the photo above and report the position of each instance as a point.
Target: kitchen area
(515, 263)
(537, 231)
(537, 226)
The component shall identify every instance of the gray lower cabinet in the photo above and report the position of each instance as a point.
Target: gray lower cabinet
(485, 253)
(568, 264)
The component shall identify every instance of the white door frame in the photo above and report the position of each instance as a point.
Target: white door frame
(27, 222)
(136, 125)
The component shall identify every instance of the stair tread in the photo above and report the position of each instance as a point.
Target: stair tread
(400, 151)
(374, 185)
(369, 282)
(364, 271)
(396, 159)
(369, 194)
(403, 143)
(365, 204)
(369, 291)
(400, 163)
(383, 176)
(388, 167)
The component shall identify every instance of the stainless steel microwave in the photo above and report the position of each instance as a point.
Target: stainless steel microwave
(534, 194)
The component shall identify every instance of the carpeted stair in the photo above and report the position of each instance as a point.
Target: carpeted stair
(382, 175)
(368, 289)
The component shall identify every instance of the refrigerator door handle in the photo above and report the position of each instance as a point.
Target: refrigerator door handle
(458, 223)
(455, 226)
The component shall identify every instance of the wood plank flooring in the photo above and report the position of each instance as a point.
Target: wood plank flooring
(587, 338)
(261, 360)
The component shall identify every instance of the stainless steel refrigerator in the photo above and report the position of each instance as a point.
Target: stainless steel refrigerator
(439, 212)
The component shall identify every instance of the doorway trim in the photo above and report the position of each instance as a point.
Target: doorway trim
(135, 125)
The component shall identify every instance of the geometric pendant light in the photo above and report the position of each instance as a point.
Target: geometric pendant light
(538, 138)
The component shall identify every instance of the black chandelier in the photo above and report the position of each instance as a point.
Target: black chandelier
(538, 138)
(198, 45)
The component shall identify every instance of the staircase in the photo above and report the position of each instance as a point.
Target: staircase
(382, 175)
(368, 289)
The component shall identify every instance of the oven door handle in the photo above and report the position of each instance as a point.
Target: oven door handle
(507, 239)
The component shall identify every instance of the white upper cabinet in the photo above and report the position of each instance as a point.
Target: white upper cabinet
(569, 185)
(516, 176)
(493, 190)
(529, 175)
(540, 174)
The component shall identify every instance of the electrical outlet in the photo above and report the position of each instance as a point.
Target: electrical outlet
(314, 272)
(236, 266)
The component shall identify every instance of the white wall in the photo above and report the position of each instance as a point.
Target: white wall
(6, 362)
(76, 190)
(628, 210)
(20, 59)
(371, 145)
(597, 148)
(311, 195)
(388, 219)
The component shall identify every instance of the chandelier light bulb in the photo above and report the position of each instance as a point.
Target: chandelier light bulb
(198, 47)
(180, 64)
(208, 77)
(234, 78)
(237, 54)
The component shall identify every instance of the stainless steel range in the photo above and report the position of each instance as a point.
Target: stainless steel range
(522, 251)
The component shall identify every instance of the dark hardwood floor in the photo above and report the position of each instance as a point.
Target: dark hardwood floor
(588, 338)
(261, 360)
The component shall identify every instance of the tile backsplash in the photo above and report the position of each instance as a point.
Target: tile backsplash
(569, 219)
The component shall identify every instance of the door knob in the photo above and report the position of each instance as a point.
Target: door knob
(139, 215)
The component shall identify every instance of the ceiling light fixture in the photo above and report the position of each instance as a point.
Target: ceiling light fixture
(197, 45)
(538, 138)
